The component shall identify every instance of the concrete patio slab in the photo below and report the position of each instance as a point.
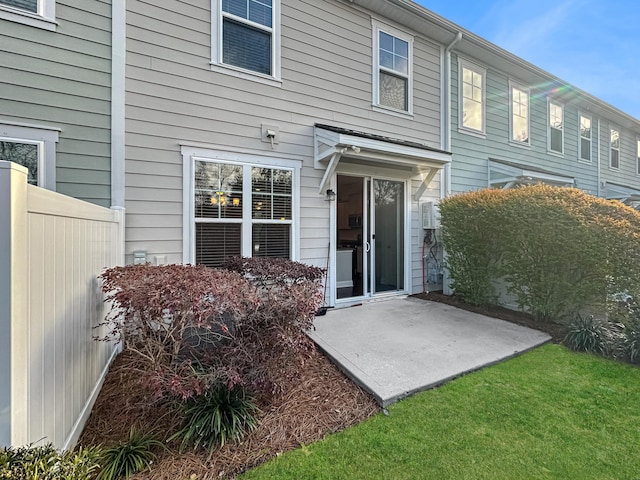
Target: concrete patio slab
(400, 346)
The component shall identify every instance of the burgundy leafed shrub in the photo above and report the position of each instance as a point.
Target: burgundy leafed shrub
(169, 315)
(194, 326)
(290, 295)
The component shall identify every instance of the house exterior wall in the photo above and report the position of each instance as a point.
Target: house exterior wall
(471, 153)
(626, 174)
(173, 97)
(61, 80)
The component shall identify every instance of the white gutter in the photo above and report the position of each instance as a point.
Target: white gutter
(118, 65)
(445, 187)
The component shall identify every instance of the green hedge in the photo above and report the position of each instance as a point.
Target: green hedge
(560, 250)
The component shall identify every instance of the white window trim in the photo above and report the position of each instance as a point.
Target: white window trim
(462, 64)
(376, 28)
(561, 105)
(45, 18)
(46, 139)
(613, 128)
(638, 156)
(580, 159)
(191, 153)
(526, 90)
(217, 64)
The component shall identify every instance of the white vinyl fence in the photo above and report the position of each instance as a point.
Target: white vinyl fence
(52, 248)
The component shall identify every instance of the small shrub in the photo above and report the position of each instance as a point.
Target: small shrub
(168, 315)
(632, 342)
(46, 463)
(193, 326)
(129, 457)
(219, 415)
(591, 334)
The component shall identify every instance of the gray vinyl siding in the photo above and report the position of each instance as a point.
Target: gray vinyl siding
(62, 80)
(471, 152)
(626, 174)
(173, 97)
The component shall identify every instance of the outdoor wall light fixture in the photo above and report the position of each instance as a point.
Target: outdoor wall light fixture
(330, 196)
(350, 147)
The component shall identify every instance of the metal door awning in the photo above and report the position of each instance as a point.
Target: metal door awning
(504, 174)
(627, 195)
(333, 145)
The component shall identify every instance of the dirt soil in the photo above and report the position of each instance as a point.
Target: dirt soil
(556, 330)
(317, 400)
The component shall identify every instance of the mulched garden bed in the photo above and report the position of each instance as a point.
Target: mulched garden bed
(316, 400)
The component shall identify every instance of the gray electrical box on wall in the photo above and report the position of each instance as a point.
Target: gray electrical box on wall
(428, 217)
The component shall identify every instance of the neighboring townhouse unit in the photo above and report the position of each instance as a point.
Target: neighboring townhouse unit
(302, 129)
(513, 124)
(56, 120)
(55, 94)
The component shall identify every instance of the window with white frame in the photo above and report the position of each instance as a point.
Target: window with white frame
(519, 114)
(393, 82)
(246, 36)
(472, 97)
(614, 158)
(241, 209)
(37, 13)
(556, 127)
(638, 157)
(33, 148)
(585, 138)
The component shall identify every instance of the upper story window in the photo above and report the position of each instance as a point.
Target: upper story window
(37, 13)
(246, 37)
(34, 148)
(556, 127)
(472, 97)
(638, 157)
(585, 138)
(614, 159)
(519, 114)
(393, 69)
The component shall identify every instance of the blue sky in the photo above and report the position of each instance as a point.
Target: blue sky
(592, 44)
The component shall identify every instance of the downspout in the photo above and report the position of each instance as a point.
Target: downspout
(118, 65)
(445, 183)
(598, 156)
(446, 114)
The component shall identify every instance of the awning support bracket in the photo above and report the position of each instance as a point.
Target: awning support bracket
(328, 173)
(425, 183)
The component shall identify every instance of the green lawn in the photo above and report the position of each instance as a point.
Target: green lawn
(550, 413)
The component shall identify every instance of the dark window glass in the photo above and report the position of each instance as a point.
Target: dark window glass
(25, 154)
(615, 158)
(215, 242)
(258, 11)
(585, 149)
(246, 47)
(28, 5)
(271, 240)
(556, 140)
(218, 190)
